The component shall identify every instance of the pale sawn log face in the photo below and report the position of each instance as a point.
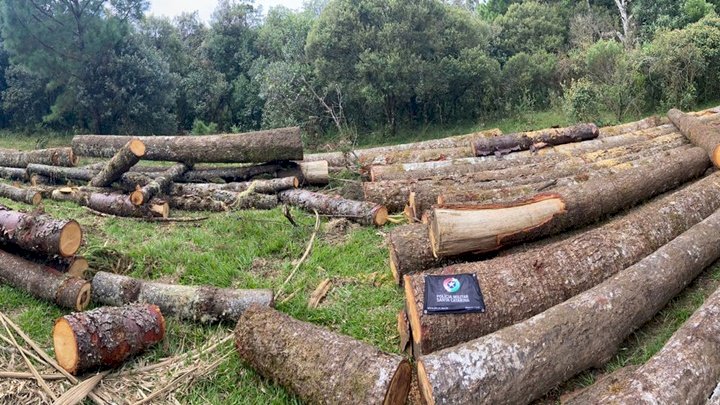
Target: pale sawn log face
(522, 362)
(318, 365)
(516, 287)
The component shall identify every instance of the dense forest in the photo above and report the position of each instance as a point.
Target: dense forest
(348, 66)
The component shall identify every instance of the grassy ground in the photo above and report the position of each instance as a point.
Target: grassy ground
(259, 249)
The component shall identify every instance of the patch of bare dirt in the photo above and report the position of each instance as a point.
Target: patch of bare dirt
(337, 231)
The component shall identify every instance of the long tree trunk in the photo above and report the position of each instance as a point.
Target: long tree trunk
(196, 203)
(110, 203)
(645, 123)
(44, 282)
(521, 285)
(309, 173)
(195, 303)
(534, 140)
(158, 186)
(106, 337)
(14, 174)
(125, 158)
(54, 157)
(22, 195)
(468, 229)
(63, 174)
(252, 147)
(522, 362)
(693, 350)
(131, 181)
(358, 211)
(318, 365)
(40, 233)
(253, 201)
(699, 133)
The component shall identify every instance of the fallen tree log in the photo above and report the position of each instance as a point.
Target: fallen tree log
(18, 194)
(54, 157)
(110, 203)
(14, 174)
(74, 266)
(699, 133)
(196, 203)
(39, 233)
(455, 230)
(106, 337)
(534, 140)
(522, 362)
(131, 181)
(62, 174)
(254, 201)
(323, 366)
(158, 186)
(645, 123)
(310, 173)
(693, 350)
(125, 158)
(358, 211)
(44, 282)
(252, 147)
(194, 303)
(521, 285)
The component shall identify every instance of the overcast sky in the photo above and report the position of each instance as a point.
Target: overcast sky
(172, 8)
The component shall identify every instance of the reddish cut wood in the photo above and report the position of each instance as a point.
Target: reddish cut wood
(40, 233)
(318, 365)
(106, 337)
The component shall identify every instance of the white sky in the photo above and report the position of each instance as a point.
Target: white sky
(171, 8)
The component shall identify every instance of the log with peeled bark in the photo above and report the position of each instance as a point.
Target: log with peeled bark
(357, 211)
(54, 157)
(106, 337)
(39, 233)
(534, 140)
(694, 350)
(159, 185)
(204, 304)
(321, 366)
(111, 203)
(456, 230)
(196, 203)
(23, 195)
(522, 362)
(252, 147)
(125, 158)
(44, 282)
(523, 284)
(699, 133)
(14, 174)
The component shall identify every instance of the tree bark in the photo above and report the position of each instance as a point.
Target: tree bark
(521, 285)
(203, 304)
(110, 203)
(322, 366)
(62, 174)
(14, 174)
(358, 211)
(125, 158)
(54, 157)
(699, 133)
(44, 282)
(535, 140)
(196, 203)
(254, 201)
(131, 181)
(522, 362)
(158, 186)
(645, 123)
(252, 147)
(40, 233)
(106, 337)
(22, 195)
(694, 350)
(461, 229)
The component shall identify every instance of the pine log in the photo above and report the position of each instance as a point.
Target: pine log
(39, 233)
(125, 158)
(358, 211)
(131, 181)
(522, 362)
(645, 123)
(14, 174)
(112, 204)
(694, 350)
(158, 186)
(309, 173)
(699, 133)
(254, 201)
(470, 229)
(44, 282)
(22, 195)
(106, 337)
(62, 174)
(204, 304)
(318, 365)
(534, 140)
(196, 203)
(54, 157)
(521, 285)
(252, 147)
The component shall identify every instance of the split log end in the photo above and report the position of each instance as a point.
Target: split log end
(161, 209)
(425, 388)
(70, 238)
(137, 147)
(36, 198)
(413, 314)
(399, 388)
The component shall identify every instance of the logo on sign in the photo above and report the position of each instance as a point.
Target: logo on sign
(452, 285)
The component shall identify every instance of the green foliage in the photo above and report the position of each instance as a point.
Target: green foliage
(201, 128)
(582, 101)
(531, 27)
(529, 80)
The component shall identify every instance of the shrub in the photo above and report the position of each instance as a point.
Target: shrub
(581, 101)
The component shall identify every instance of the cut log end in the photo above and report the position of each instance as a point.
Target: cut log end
(74, 159)
(36, 198)
(424, 382)
(83, 298)
(161, 209)
(394, 265)
(137, 198)
(70, 239)
(66, 347)
(296, 182)
(380, 216)
(399, 388)
(412, 312)
(78, 267)
(716, 156)
(137, 147)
